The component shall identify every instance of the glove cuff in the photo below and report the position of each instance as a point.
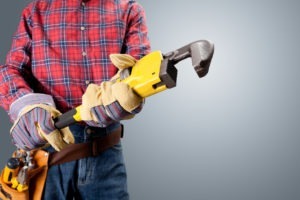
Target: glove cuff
(35, 98)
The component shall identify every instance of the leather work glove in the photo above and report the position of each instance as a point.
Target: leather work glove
(111, 101)
(34, 127)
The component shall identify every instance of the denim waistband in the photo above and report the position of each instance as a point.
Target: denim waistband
(84, 133)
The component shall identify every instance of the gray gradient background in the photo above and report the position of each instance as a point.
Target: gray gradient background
(233, 135)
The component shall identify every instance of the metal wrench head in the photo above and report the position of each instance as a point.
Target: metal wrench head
(201, 53)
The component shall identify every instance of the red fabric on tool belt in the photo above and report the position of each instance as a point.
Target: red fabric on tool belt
(83, 150)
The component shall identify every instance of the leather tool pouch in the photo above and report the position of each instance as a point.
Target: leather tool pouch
(36, 179)
(43, 160)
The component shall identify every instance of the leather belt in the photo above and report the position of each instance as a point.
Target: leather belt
(82, 150)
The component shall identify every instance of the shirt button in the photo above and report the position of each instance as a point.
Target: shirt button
(82, 28)
(83, 4)
(87, 82)
(84, 53)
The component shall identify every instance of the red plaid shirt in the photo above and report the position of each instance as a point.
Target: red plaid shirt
(63, 45)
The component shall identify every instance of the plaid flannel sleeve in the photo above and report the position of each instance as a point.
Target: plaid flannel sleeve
(136, 42)
(13, 85)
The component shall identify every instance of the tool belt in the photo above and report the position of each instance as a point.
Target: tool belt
(42, 160)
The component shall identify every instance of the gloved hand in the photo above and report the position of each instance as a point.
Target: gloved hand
(111, 101)
(34, 127)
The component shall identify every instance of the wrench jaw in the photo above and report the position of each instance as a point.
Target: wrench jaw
(201, 53)
(202, 69)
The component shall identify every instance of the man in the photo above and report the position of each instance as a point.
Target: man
(64, 54)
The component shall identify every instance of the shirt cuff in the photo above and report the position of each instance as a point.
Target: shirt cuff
(30, 99)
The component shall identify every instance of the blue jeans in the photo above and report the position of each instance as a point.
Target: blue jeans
(102, 177)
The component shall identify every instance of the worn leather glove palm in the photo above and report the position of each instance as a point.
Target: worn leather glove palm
(111, 101)
(35, 127)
